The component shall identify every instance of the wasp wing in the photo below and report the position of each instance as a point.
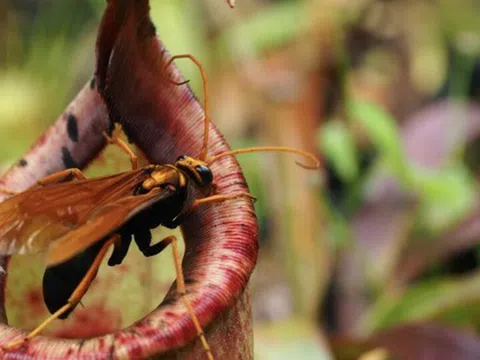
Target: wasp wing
(103, 222)
(31, 221)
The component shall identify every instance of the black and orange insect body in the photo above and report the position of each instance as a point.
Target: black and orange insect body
(157, 194)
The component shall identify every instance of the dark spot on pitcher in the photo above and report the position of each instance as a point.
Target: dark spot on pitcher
(67, 159)
(72, 127)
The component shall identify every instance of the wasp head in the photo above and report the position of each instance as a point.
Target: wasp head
(195, 169)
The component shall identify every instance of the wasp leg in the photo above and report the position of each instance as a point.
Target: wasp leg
(124, 147)
(210, 199)
(58, 177)
(181, 289)
(143, 241)
(120, 250)
(62, 176)
(220, 198)
(76, 296)
(8, 191)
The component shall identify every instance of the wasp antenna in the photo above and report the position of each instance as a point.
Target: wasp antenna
(203, 153)
(180, 83)
(310, 156)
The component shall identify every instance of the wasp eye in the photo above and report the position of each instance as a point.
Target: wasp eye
(205, 174)
(183, 157)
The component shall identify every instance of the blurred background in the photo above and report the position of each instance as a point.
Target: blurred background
(377, 255)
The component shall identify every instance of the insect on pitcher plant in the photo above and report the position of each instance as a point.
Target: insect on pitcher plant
(76, 220)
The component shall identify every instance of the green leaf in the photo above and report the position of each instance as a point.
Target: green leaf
(338, 145)
(447, 194)
(270, 28)
(438, 298)
(382, 130)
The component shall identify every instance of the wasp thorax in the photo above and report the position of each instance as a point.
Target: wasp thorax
(163, 176)
(195, 169)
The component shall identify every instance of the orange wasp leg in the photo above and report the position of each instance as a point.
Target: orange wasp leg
(124, 147)
(8, 191)
(62, 176)
(220, 198)
(181, 289)
(76, 296)
(208, 200)
(54, 178)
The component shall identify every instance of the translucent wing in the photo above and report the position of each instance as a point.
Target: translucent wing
(103, 222)
(31, 221)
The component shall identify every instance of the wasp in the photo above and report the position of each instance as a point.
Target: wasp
(76, 220)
